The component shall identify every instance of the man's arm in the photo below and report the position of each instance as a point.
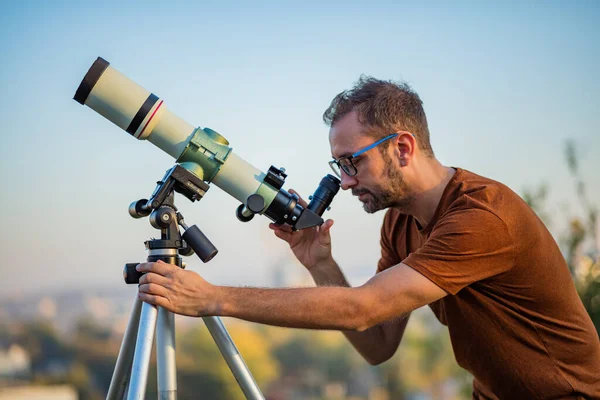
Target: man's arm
(376, 344)
(390, 294)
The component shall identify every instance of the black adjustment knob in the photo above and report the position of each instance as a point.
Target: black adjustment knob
(198, 241)
(255, 203)
(130, 274)
(239, 213)
(138, 209)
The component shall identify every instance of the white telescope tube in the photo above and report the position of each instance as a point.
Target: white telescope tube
(145, 116)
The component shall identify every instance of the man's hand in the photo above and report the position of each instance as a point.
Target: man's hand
(311, 246)
(177, 290)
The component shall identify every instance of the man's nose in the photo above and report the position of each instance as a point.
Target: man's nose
(348, 182)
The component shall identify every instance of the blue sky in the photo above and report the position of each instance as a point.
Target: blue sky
(504, 85)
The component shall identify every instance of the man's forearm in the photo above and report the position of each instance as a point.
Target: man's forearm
(379, 342)
(329, 274)
(337, 308)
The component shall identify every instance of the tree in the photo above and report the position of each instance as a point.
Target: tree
(579, 241)
(202, 369)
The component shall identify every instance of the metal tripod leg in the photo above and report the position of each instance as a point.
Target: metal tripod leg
(233, 358)
(143, 351)
(165, 355)
(134, 356)
(121, 374)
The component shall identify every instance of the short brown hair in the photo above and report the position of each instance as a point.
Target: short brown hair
(386, 106)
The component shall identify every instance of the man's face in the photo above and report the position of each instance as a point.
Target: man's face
(379, 182)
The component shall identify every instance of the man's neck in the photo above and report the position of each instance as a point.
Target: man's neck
(428, 188)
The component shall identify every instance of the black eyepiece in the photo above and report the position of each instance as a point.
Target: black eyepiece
(323, 196)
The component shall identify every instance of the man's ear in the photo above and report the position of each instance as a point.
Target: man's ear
(405, 146)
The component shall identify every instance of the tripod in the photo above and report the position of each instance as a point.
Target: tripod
(133, 362)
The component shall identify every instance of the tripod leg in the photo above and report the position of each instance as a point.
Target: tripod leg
(143, 351)
(165, 355)
(233, 358)
(121, 374)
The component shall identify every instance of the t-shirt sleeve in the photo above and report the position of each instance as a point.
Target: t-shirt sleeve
(389, 256)
(465, 246)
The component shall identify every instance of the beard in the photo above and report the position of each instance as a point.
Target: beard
(394, 192)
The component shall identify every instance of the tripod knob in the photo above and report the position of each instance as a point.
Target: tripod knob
(198, 241)
(138, 209)
(243, 214)
(130, 274)
(254, 204)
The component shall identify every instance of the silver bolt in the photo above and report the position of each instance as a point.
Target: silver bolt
(294, 218)
(282, 169)
(285, 216)
(165, 217)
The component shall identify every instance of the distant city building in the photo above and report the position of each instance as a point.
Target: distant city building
(14, 362)
(100, 307)
(47, 307)
(61, 392)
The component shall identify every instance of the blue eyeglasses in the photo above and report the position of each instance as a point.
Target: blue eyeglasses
(347, 165)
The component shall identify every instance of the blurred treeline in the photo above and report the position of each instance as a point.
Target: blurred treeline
(578, 239)
(286, 363)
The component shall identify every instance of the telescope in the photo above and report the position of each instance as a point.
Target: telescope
(202, 155)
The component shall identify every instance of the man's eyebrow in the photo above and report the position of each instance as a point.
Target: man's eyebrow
(346, 154)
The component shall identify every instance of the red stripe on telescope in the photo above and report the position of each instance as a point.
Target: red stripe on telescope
(150, 119)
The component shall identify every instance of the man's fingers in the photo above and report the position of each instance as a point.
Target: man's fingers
(155, 300)
(326, 226)
(300, 200)
(160, 268)
(154, 289)
(283, 227)
(287, 236)
(151, 277)
(324, 231)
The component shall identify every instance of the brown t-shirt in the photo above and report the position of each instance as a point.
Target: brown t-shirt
(514, 316)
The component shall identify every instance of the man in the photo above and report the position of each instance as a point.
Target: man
(465, 245)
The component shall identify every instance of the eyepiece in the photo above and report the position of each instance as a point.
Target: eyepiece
(323, 196)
